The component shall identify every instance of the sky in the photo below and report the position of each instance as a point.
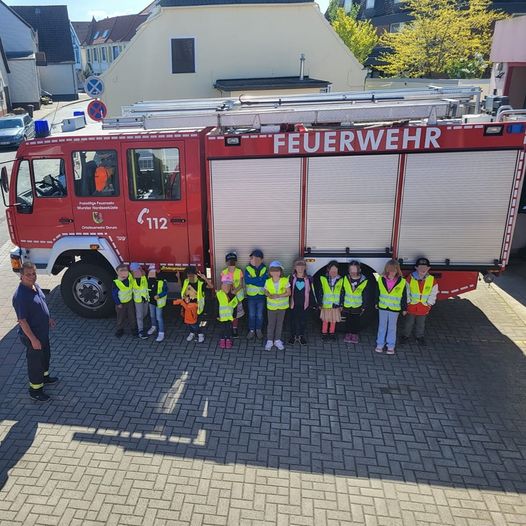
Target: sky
(84, 10)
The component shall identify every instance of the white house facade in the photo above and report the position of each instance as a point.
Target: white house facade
(211, 49)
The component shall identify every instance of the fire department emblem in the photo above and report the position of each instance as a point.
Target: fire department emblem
(97, 218)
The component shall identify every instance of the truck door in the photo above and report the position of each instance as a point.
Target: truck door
(43, 211)
(98, 201)
(156, 208)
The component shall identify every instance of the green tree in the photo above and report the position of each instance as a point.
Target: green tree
(330, 14)
(358, 35)
(446, 38)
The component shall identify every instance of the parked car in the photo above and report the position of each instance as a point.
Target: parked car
(45, 97)
(16, 128)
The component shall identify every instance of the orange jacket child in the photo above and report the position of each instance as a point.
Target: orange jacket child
(189, 311)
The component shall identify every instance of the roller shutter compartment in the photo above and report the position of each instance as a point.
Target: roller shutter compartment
(350, 203)
(455, 206)
(256, 203)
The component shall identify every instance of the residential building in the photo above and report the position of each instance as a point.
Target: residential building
(76, 39)
(57, 70)
(209, 48)
(508, 54)
(508, 78)
(104, 40)
(150, 8)
(79, 33)
(5, 104)
(20, 47)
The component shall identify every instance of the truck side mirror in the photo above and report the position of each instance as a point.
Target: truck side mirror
(4, 181)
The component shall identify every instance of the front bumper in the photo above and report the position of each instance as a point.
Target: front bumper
(6, 142)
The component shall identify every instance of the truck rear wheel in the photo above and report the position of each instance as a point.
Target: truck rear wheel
(86, 289)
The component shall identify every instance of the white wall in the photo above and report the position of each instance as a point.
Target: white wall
(16, 36)
(58, 79)
(231, 41)
(3, 84)
(24, 85)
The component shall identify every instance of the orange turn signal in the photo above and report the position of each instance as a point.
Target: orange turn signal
(16, 263)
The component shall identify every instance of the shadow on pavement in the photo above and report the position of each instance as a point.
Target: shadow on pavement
(451, 414)
(513, 280)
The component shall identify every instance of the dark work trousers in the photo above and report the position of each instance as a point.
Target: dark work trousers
(194, 327)
(418, 322)
(37, 362)
(126, 314)
(298, 318)
(225, 330)
(355, 320)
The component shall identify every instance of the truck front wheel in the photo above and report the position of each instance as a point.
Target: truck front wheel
(86, 290)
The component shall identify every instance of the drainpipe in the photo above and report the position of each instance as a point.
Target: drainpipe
(302, 66)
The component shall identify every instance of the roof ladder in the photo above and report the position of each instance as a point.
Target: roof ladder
(255, 112)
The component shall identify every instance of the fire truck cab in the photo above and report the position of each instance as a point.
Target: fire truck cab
(87, 203)
(323, 178)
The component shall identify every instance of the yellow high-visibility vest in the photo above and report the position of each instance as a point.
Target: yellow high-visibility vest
(414, 290)
(252, 290)
(391, 300)
(226, 306)
(353, 298)
(161, 302)
(238, 274)
(200, 294)
(331, 296)
(125, 292)
(140, 290)
(277, 303)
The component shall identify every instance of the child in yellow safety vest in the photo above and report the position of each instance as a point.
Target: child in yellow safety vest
(422, 291)
(277, 291)
(194, 287)
(227, 301)
(330, 289)
(392, 300)
(356, 300)
(235, 274)
(141, 297)
(122, 294)
(158, 292)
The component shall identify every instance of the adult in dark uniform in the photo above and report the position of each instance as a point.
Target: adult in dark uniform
(34, 322)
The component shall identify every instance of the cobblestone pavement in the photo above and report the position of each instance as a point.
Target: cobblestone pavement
(178, 433)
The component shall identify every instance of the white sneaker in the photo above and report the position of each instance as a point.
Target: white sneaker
(279, 345)
(201, 338)
(152, 330)
(190, 337)
(160, 337)
(269, 345)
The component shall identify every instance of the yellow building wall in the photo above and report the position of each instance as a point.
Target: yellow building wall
(231, 41)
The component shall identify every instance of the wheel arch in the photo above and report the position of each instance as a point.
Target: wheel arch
(67, 248)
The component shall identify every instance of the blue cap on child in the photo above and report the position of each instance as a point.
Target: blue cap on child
(276, 264)
(134, 266)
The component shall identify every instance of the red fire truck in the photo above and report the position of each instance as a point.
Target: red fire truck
(366, 176)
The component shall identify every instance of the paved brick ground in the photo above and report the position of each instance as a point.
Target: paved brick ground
(177, 433)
